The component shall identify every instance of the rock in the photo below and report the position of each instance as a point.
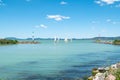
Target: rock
(110, 77)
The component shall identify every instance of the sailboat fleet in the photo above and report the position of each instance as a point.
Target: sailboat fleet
(56, 39)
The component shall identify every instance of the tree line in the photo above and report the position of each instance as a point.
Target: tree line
(116, 42)
(5, 41)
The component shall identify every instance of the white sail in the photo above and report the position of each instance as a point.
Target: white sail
(66, 40)
(33, 38)
(55, 39)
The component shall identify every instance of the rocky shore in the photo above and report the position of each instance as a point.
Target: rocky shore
(113, 42)
(106, 73)
(104, 42)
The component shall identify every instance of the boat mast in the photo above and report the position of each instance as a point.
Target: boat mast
(33, 37)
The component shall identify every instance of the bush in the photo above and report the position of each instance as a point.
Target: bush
(94, 71)
(116, 42)
(5, 41)
(117, 74)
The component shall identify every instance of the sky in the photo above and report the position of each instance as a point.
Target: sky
(59, 18)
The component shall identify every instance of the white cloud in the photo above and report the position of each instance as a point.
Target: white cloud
(41, 26)
(2, 3)
(117, 5)
(115, 22)
(108, 20)
(108, 2)
(95, 22)
(28, 0)
(57, 17)
(63, 3)
(112, 22)
(99, 2)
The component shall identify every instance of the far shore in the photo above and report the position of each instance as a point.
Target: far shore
(113, 42)
(6, 42)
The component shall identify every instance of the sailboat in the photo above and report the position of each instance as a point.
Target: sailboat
(55, 39)
(33, 39)
(66, 40)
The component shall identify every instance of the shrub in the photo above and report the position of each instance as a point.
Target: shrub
(117, 74)
(116, 42)
(5, 41)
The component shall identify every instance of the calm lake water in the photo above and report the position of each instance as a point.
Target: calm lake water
(55, 61)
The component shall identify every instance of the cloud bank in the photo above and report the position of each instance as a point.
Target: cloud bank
(41, 26)
(2, 3)
(57, 17)
(63, 3)
(106, 2)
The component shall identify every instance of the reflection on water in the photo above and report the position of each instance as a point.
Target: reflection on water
(49, 61)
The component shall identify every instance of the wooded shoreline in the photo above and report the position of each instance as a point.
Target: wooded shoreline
(5, 42)
(113, 42)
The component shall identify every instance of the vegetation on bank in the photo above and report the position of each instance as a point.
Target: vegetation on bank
(117, 74)
(106, 73)
(5, 41)
(116, 42)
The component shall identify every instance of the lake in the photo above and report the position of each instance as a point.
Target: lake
(55, 61)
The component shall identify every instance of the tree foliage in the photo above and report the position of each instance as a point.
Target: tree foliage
(117, 74)
(5, 41)
(116, 42)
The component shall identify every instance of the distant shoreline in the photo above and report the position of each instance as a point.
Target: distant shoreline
(112, 42)
(7, 42)
(92, 38)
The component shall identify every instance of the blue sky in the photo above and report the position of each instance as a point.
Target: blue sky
(61, 18)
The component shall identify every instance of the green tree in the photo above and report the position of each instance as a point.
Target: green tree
(5, 41)
(116, 42)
